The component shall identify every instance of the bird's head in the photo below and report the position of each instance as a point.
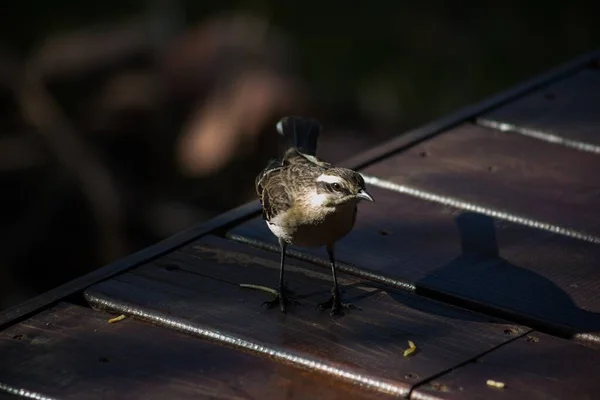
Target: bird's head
(339, 186)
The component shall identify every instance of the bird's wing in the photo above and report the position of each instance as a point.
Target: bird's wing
(298, 167)
(272, 192)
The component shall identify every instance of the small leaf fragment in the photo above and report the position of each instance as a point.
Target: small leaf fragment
(260, 287)
(495, 384)
(117, 319)
(411, 349)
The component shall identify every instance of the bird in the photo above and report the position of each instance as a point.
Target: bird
(308, 202)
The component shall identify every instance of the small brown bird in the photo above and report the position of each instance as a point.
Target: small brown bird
(308, 202)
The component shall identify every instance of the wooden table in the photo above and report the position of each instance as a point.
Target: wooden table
(483, 248)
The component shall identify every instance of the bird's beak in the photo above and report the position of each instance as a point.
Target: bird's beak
(363, 195)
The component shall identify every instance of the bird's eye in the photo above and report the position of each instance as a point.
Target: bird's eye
(337, 187)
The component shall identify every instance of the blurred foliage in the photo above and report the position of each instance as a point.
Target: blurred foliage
(403, 62)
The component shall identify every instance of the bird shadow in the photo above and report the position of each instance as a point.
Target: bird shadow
(481, 279)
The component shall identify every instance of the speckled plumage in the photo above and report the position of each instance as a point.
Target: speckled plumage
(307, 201)
(283, 181)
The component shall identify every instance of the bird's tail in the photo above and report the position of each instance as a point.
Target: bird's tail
(299, 132)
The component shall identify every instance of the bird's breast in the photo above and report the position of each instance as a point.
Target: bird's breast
(315, 229)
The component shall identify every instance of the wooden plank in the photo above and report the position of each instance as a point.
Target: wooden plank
(503, 171)
(537, 366)
(35, 304)
(197, 289)
(401, 142)
(71, 352)
(566, 112)
(471, 259)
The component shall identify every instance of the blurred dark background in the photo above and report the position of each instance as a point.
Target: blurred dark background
(124, 122)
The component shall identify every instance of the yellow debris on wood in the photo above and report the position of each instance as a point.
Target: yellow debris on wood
(116, 319)
(499, 385)
(411, 349)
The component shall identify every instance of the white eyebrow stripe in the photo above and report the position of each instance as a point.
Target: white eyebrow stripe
(329, 179)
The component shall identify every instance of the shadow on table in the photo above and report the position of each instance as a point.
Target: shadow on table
(481, 279)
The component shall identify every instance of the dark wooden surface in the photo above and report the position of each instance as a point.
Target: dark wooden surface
(568, 109)
(529, 367)
(504, 171)
(200, 284)
(72, 352)
(497, 265)
(468, 289)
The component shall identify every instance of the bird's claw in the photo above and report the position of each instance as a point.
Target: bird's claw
(283, 297)
(335, 305)
(282, 300)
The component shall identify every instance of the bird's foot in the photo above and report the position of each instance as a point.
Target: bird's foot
(282, 299)
(335, 305)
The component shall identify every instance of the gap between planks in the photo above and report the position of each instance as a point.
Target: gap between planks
(436, 376)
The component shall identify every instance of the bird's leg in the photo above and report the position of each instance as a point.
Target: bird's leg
(281, 298)
(335, 302)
